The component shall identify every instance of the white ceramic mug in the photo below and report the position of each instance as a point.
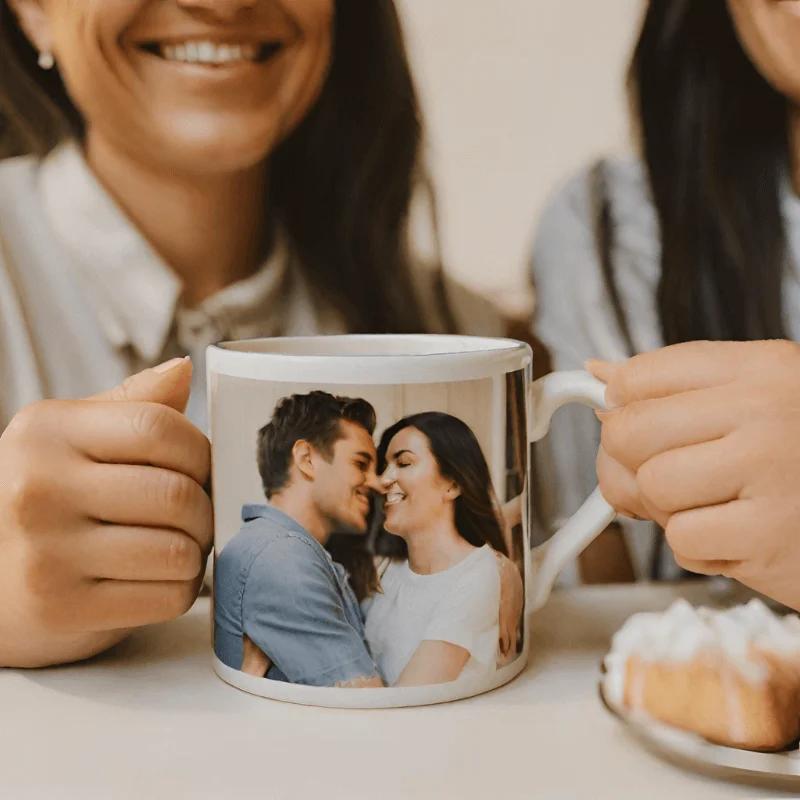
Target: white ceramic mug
(371, 515)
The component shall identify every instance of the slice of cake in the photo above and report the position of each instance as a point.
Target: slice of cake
(730, 676)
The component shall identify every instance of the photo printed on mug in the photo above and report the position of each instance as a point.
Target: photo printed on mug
(370, 536)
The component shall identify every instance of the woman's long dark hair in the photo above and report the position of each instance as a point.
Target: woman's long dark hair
(341, 184)
(715, 140)
(460, 459)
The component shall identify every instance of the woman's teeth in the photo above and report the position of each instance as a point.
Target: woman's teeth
(393, 498)
(209, 53)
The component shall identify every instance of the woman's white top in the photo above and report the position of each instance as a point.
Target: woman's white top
(460, 605)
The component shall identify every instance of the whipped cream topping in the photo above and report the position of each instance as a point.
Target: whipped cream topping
(683, 632)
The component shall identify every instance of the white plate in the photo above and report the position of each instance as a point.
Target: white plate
(687, 750)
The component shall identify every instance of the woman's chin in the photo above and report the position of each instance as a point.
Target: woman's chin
(391, 527)
(203, 144)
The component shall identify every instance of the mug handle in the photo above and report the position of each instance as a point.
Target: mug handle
(546, 396)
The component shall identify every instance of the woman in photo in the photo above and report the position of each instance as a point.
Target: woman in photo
(435, 617)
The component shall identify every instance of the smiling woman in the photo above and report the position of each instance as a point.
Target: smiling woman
(142, 100)
(187, 171)
(438, 608)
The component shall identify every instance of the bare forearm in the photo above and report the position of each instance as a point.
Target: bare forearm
(433, 662)
(362, 683)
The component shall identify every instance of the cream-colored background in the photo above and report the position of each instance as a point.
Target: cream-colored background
(517, 94)
(241, 406)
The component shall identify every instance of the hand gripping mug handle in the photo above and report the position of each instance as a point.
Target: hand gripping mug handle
(547, 395)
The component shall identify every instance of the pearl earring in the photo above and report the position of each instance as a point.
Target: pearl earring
(46, 60)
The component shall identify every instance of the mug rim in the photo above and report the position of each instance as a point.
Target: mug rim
(338, 358)
(491, 344)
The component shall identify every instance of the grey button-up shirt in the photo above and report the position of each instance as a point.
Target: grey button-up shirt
(276, 584)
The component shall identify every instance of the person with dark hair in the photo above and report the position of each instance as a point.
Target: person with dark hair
(436, 617)
(174, 174)
(276, 588)
(698, 239)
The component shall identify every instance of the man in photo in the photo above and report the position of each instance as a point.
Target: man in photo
(277, 589)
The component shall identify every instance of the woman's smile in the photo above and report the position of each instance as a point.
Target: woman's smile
(394, 496)
(205, 50)
(212, 54)
(192, 86)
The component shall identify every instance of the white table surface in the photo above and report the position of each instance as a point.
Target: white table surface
(151, 720)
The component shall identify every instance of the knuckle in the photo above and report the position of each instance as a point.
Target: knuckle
(177, 490)
(183, 557)
(29, 420)
(39, 570)
(150, 421)
(178, 598)
(25, 496)
(683, 541)
(616, 494)
(42, 577)
(605, 476)
(627, 382)
(123, 391)
(618, 487)
(616, 436)
(654, 480)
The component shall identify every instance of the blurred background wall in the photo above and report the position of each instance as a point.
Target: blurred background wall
(517, 94)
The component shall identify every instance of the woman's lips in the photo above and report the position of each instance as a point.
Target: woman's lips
(207, 53)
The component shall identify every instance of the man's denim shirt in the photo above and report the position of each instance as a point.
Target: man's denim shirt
(275, 583)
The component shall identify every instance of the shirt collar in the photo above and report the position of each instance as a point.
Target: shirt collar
(133, 291)
(135, 294)
(252, 511)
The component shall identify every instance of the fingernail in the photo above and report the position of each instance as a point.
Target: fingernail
(594, 364)
(171, 364)
(604, 414)
(602, 370)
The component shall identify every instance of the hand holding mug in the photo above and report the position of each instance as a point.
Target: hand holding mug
(704, 439)
(104, 524)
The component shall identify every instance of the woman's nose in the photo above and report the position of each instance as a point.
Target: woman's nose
(225, 10)
(387, 478)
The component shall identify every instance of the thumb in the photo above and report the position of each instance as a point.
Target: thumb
(168, 384)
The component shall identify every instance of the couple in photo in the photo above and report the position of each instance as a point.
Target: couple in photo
(285, 609)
